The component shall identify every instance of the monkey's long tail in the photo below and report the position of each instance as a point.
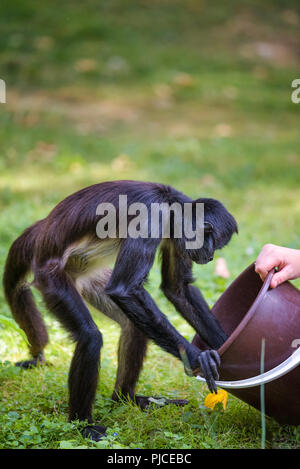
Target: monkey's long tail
(18, 293)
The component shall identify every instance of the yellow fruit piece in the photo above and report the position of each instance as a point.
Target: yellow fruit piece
(212, 399)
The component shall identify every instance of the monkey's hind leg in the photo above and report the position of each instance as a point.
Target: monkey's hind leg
(30, 320)
(64, 301)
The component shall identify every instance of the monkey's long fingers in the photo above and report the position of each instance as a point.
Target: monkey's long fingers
(207, 372)
(214, 370)
(212, 360)
(214, 354)
(209, 362)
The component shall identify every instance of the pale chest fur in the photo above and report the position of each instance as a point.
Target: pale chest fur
(87, 257)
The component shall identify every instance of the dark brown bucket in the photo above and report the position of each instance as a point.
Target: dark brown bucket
(250, 311)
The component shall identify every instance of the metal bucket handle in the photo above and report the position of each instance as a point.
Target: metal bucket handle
(280, 370)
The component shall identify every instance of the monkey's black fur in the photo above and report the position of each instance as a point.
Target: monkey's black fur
(60, 251)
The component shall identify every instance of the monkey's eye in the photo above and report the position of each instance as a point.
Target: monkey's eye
(208, 227)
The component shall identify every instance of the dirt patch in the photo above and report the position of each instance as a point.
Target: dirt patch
(87, 116)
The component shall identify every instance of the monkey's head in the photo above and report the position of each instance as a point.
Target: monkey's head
(219, 226)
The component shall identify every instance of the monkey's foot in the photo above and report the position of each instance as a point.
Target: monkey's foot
(94, 432)
(143, 401)
(36, 361)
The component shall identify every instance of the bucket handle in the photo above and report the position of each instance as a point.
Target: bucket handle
(285, 367)
(280, 370)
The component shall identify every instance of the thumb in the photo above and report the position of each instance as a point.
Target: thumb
(281, 276)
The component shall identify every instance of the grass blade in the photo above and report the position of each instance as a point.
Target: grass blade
(262, 397)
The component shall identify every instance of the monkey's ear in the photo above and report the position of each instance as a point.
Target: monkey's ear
(208, 227)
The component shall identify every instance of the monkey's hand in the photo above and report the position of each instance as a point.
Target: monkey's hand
(210, 362)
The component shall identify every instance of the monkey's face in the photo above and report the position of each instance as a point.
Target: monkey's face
(219, 226)
(204, 254)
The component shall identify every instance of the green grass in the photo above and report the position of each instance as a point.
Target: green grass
(165, 91)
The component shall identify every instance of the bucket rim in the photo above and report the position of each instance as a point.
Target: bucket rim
(251, 311)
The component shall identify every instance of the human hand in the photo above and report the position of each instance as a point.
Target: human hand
(287, 260)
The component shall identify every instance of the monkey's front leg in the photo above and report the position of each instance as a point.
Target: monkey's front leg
(139, 307)
(177, 285)
(125, 288)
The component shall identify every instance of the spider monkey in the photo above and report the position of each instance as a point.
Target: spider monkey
(70, 265)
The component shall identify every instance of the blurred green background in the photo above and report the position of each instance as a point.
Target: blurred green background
(196, 94)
